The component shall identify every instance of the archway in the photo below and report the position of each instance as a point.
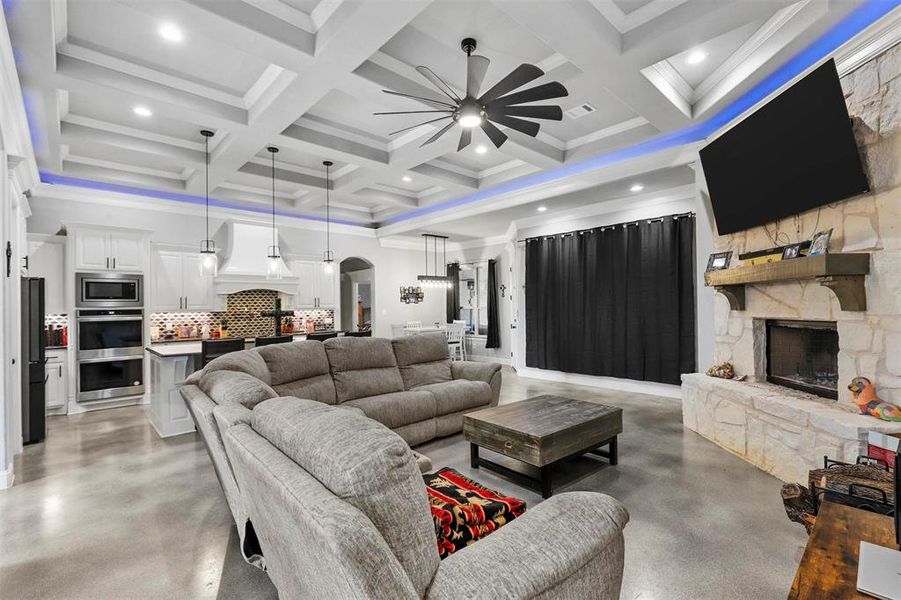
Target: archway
(357, 294)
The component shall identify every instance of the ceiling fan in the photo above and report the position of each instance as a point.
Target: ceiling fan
(497, 105)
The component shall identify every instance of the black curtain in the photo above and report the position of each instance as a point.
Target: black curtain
(617, 301)
(453, 292)
(494, 328)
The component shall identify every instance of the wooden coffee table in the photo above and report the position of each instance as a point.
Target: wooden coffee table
(541, 432)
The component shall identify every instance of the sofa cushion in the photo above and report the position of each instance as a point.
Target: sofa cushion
(362, 367)
(225, 387)
(300, 369)
(320, 388)
(243, 361)
(397, 408)
(422, 359)
(461, 394)
(366, 465)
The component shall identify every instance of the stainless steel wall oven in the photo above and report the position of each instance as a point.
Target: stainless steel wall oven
(110, 353)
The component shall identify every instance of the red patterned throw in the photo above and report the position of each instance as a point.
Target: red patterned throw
(465, 511)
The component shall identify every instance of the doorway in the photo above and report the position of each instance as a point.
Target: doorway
(357, 297)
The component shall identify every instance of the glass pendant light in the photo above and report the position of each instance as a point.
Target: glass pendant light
(209, 264)
(328, 257)
(274, 268)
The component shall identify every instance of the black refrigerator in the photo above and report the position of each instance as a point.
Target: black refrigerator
(34, 422)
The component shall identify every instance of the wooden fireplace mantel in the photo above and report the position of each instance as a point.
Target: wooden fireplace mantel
(842, 273)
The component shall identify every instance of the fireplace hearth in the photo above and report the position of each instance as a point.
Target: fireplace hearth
(803, 355)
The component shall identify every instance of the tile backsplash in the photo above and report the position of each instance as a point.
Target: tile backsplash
(243, 315)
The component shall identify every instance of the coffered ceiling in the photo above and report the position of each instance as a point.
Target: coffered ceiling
(306, 76)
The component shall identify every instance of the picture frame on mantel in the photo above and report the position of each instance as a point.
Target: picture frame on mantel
(819, 244)
(792, 251)
(719, 261)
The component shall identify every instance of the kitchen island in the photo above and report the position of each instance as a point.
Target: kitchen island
(171, 362)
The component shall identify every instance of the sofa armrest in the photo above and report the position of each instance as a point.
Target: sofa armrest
(569, 546)
(488, 372)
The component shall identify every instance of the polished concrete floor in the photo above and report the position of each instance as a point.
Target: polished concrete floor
(105, 509)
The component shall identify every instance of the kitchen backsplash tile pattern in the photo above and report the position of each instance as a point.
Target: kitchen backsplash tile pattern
(242, 315)
(56, 320)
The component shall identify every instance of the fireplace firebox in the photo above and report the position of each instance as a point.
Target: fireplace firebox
(803, 355)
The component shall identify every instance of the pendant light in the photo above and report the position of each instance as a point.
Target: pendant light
(209, 264)
(435, 280)
(328, 257)
(274, 270)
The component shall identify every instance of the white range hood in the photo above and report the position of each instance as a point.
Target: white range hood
(246, 263)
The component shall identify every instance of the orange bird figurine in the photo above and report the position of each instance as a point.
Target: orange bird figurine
(863, 394)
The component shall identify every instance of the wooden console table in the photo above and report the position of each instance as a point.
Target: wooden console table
(829, 566)
(842, 273)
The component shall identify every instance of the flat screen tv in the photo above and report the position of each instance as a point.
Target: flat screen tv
(793, 154)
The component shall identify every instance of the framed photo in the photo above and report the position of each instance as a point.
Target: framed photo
(719, 261)
(819, 245)
(792, 251)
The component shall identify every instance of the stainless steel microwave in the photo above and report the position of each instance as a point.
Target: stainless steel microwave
(109, 290)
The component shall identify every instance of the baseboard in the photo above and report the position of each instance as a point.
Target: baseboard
(611, 383)
(6, 477)
(492, 359)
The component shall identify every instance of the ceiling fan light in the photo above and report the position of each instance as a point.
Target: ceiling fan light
(470, 120)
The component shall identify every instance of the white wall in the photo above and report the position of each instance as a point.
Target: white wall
(184, 225)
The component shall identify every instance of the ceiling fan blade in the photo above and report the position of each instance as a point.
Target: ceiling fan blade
(496, 136)
(422, 98)
(521, 125)
(533, 111)
(441, 132)
(545, 91)
(476, 67)
(518, 77)
(465, 138)
(412, 112)
(420, 124)
(439, 83)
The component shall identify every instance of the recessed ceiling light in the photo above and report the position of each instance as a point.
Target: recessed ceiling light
(541, 208)
(407, 178)
(142, 111)
(481, 149)
(171, 33)
(636, 188)
(697, 56)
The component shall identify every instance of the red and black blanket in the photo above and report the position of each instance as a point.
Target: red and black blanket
(465, 511)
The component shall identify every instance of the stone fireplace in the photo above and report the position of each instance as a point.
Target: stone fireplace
(766, 419)
(803, 355)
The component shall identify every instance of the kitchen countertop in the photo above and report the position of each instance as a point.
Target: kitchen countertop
(166, 349)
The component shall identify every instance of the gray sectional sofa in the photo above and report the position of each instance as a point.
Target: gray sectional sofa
(407, 384)
(354, 521)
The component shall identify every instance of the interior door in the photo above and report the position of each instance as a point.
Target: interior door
(127, 252)
(92, 251)
(166, 281)
(196, 289)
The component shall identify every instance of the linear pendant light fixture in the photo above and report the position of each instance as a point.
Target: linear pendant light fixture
(435, 280)
(328, 257)
(209, 263)
(274, 270)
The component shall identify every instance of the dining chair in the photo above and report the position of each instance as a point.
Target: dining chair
(455, 341)
(413, 325)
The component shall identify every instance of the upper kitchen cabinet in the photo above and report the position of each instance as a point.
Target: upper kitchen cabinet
(46, 258)
(176, 283)
(108, 249)
(316, 288)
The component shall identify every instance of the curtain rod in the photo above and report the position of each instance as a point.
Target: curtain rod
(605, 227)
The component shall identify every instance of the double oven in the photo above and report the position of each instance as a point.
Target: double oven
(110, 335)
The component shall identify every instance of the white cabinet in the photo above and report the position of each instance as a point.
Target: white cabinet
(46, 259)
(101, 250)
(55, 380)
(176, 283)
(316, 288)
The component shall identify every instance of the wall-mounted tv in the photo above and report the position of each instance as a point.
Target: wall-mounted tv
(795, 153)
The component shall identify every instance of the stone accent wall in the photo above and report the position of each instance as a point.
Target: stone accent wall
(782, 431)
(869, 342)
